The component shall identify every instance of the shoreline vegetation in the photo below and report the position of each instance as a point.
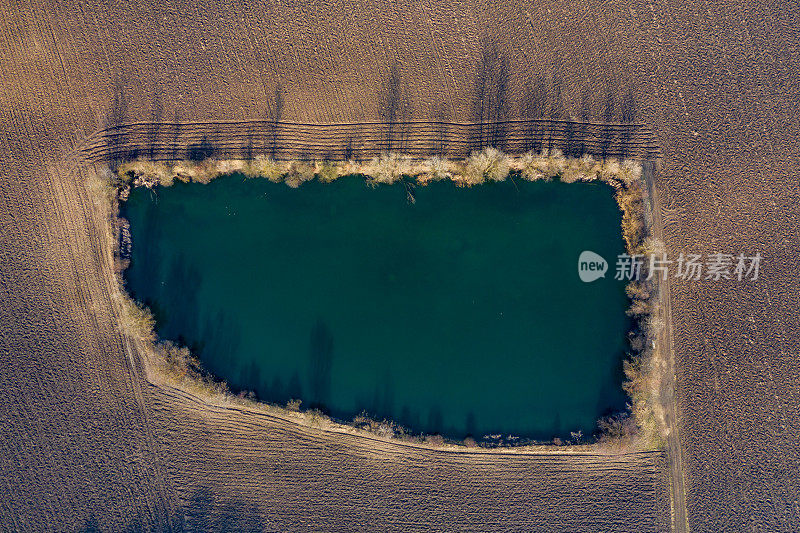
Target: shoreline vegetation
(641, 427)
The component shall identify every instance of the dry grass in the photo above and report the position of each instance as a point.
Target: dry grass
(484, 166)
(487, 165)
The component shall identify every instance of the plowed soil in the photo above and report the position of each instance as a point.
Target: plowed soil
(88, 442)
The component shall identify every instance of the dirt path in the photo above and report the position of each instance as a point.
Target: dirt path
(664, 345)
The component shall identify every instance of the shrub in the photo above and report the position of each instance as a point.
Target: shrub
(294, 405)
(630, 202)
(102, 187)
(388, 168)
(490, 164)
(136, 320)
(434, 440)
(653, 245)
(583, 169)
(264, 167)
(186, 171)
(629, 172)
(299, 173)
(638, 308)
(618, 429)
(609, 169)
(532, 167)
(436, 168)
(230, 166)
(327, 171)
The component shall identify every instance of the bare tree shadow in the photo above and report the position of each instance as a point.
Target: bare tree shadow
(248, 150)
(251, 379)
(585, 115)
(294, 389)
(320, 364)
(176, 135)
(490, 101)
(204, 511)
(154, 126)
(609, 113)
(470, 425)
(556, 107)
(200, 151)
(442, 114)
(435, 420)
(274, 114)
(182, 282)
(533, 109)
(220, 341)
(116, 138)
(394, 109)
(628, 112)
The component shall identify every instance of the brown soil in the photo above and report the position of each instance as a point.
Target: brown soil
(87, 440)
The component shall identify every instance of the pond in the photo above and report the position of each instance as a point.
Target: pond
(461, 313)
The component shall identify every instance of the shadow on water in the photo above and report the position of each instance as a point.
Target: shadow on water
(435, 420)
(381, 404)
(251, 379)
(470, 425)
(221, 337)
(320, 358)
(557, 427)
(611, 400)
(184, 280)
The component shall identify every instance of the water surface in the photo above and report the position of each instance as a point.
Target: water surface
(461, 314)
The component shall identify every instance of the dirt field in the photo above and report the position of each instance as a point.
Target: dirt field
(87, 441)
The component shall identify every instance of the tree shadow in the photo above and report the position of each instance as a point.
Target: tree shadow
(154, 125)
(556, 107)
(490, 101)
(204, 511)
(394, 109)
(534, 107)
(115, 136)
(609, 113)
(274, 114)
(442, 114)
(251, 379)
(628, 116)
(585, 115)
(200, 151)
(176, 135)
(182, 282)
(220, 341)
(470, 425)
(435, 420)
(320, 364)
(248, 150)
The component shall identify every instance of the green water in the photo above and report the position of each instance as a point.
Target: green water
(461, 314)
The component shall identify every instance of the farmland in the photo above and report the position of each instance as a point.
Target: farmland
(706, 92)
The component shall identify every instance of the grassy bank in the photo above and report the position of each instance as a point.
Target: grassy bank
(634, 429)
(484, 166)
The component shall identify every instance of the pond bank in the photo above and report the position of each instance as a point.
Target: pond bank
(490, 168)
